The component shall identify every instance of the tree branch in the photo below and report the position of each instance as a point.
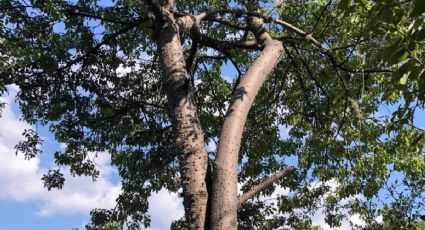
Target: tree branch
(257, 188)
(226, 45)
(189, 137)
(69, 12)
(106, 39)
(224, 201)
(227, 22)
(156, 9)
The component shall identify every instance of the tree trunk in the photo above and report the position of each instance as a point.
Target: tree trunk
(224, 194)
(189, 137)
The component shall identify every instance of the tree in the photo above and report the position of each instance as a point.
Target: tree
(322, 69)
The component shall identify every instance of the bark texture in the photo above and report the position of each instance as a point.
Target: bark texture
(189, 137)
(270, 180)
(224, 192)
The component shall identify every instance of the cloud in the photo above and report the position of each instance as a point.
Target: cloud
(164, 207)
(319, 217)
(20, 179)
(211, 146)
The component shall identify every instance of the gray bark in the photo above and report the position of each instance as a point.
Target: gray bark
(189, 137)
(224, 197)
(270, 180)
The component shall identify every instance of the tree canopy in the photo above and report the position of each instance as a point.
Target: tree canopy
(92, 72)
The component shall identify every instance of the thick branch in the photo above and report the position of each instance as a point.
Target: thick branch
(156, 9)
(189, 136)
(257, 188)
(268, 19)
(195, 35)
(189, 22)
(224, 196)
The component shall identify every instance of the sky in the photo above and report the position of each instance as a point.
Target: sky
(26, 204)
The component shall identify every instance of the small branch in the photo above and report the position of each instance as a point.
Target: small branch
(228, 56)
(257, 188)
(222, 45)
(93, 50)
(310, 72)
(321, 14)
(227, 22)
(268, 19)
(364, 71)
(307, 36)
(69, 12)
(213, 57)
(192, 55)
(226, 45)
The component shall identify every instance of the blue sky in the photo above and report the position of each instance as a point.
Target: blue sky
(25, 204)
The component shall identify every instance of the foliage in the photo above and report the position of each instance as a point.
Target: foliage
(89, 71)
(420, 225)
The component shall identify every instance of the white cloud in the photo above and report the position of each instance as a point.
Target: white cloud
(228, 78)
(21, 179)
(211, 146)
(164, 207)
(319, 217)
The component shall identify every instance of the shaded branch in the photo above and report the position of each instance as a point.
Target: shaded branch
(98, 46)
(69, 12)
(305, 36)
(226, 45)
(227, 22)
(257, 188)
(156, 9)
(192, 55)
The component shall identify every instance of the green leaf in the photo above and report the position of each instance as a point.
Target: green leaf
(419, 8)
(344, 4)
(420, 35)
(403, 79)
(396, 57)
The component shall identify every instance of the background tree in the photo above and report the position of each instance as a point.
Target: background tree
(321, 69)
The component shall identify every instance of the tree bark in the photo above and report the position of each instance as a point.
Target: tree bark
(224, 200)
(270, 180)
(189, 137)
